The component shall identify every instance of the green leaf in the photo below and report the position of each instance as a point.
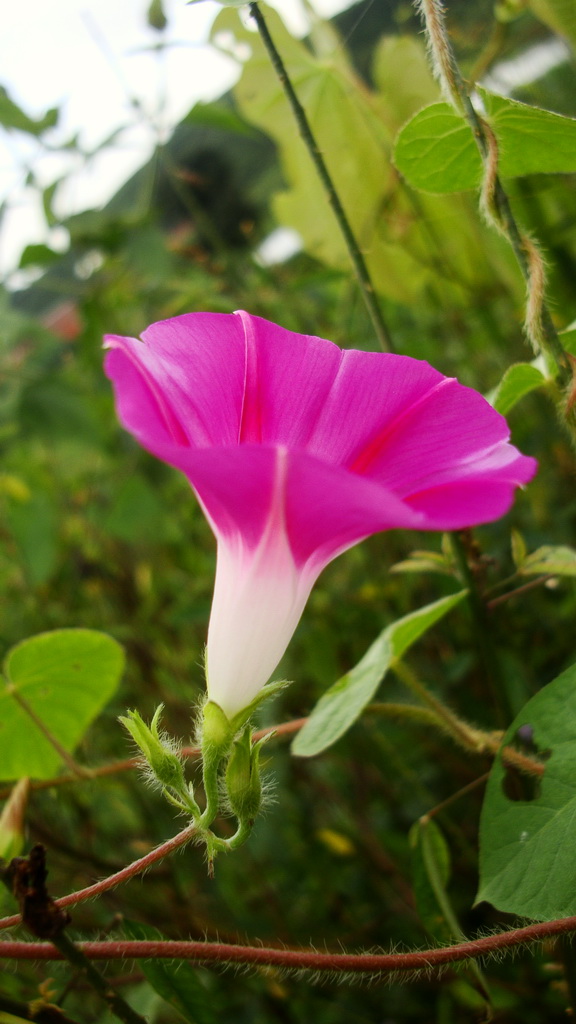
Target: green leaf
(13, 821)
(527, 845)
(431, 874)
(424, 561)
(66, 677)
(568, 338)
(531, 140)
(413, 245)
(39, 256)
(155, 15)
(178, 983)
(402, 74)
(12, 117)
(137, 513)
(218, 115)
(436, 151)
(519, 549)
(550, 559)
(430, 871)
(345, 701)
(518, 380)
(33, 523)
(559, 15)
(47, 201)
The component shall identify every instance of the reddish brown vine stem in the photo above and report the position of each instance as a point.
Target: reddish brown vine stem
(356, 963)
(135, 868)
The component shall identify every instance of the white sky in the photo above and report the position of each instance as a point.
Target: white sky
(91, 57)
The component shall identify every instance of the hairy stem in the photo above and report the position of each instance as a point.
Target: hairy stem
(495, 601)
(78, 958)
(137, 867)
(494, 201)
(465, 735)
(296, 959)
(462, 733)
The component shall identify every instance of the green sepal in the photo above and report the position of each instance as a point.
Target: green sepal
(239, 720)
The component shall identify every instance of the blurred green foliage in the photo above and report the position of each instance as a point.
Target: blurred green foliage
(97, 534)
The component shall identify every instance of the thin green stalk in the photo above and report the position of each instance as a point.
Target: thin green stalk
(464, 791)
(210, 783)
(358, 261)
(240, 836)
(464, 735)
(539, 582)
(434, 874)
(75, 956)
(408, 712)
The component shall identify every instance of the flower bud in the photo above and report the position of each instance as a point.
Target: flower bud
(165, 764)
(243, 782)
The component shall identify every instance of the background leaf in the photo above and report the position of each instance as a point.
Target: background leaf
(178, 983)
(556, 559)
(430, 856)
(66, 677)
(136, 514)
(518, 380)
(394, 231)
(559, 15)
(33, 522)
(13, 117)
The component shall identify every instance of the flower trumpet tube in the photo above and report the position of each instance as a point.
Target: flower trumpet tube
(297, 450)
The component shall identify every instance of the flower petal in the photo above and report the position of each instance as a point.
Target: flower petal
(193, 367)
(374, 441)
(259, 596)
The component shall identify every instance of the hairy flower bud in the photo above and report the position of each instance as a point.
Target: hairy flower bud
(163, 761)
(243, 781)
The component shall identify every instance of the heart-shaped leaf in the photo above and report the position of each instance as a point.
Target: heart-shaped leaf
(527, 834)
(65, 678)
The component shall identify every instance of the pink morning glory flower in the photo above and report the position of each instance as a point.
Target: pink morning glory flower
(296, 451)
